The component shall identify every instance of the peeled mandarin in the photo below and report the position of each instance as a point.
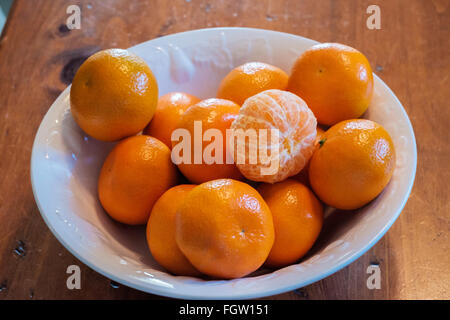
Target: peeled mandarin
(274, 111)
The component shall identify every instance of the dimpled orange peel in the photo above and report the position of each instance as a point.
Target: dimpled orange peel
(335, 80)
(214, 114)
(249, 79)
(161, 232)
(353, 162)
(113, 95)
(224, 228)
(168, 112)
(136, 172)
(297, 218)
(285, 113)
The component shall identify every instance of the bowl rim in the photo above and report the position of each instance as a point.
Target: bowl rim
(262, 293)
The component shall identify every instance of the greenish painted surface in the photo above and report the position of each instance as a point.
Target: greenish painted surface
(5, 5)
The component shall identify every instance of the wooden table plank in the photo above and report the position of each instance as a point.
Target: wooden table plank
(39, 56)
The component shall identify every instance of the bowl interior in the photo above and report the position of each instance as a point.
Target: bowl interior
(66, 163)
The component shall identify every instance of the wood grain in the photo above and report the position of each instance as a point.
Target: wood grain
(411, 53)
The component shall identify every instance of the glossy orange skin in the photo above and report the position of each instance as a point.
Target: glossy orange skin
(113, 95)
(216, 114)
(168, 112)
(353, 165)
(335, 80)
(161, 232)
(297, 219)
(134, 175)
(249, 79)
(225, 228)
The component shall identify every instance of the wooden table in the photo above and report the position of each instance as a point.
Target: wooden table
(411, 52)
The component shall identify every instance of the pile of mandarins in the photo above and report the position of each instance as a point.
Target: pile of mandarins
(226, 219)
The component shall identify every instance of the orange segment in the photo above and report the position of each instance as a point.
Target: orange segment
(161, 232)
(249, 79)
(134, 175)
(296, 124)
(225, 228)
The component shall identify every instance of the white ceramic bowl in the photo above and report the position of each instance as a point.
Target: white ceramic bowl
(65, 165)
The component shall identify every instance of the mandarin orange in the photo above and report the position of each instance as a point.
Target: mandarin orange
(250, 79)
(225, 228)
(215, 114)
(335, 80)
(168, 112)
(134, 175)
(297, 219)
(273, 111)
(352, 164)
(161, 232)
(113, 95)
